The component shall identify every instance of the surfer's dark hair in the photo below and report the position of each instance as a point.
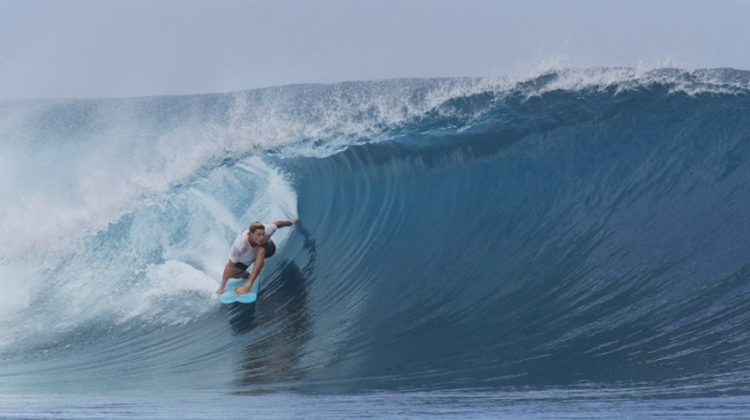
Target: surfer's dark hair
(255, 226)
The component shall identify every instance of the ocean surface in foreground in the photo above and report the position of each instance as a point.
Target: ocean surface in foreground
(463, 404)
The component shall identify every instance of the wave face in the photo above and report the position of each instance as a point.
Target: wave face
(576, 229)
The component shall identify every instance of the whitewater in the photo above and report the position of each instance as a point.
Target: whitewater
(572, 243)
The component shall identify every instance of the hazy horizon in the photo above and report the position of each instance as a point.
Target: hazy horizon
(86, 48)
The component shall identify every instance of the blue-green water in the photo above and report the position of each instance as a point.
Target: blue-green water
(571, 245)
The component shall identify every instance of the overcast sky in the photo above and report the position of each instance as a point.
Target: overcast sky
(99, 48)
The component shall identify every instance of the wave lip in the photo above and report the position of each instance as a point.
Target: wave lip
(84, 163)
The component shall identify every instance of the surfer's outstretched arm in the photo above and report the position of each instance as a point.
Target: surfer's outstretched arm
(285, 223)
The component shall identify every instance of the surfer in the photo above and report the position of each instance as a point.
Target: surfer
(253, 245)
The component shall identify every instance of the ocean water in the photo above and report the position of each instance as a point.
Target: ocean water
(569, 245)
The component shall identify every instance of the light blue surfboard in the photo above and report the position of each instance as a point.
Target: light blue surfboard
(230, 297)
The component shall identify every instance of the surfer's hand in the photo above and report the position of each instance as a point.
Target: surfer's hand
(293, 221)
(220, 291)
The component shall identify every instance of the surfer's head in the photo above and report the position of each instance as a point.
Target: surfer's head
(256, 233)
(255, 226)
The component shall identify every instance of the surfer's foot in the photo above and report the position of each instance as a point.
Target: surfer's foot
(220, 291)
(241, 290)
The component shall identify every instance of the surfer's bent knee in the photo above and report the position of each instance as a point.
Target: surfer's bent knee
(240, 271)
(270, 248)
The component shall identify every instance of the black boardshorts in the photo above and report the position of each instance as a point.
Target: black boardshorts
(270, 248)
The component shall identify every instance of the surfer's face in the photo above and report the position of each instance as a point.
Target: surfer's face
(257, 237)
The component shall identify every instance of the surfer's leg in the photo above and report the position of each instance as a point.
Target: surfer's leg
(232, 270)
(257, 268)
(240, 271)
